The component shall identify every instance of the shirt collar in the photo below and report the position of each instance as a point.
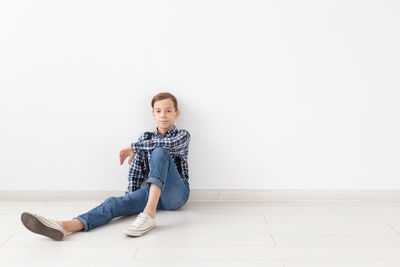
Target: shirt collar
(170, 132)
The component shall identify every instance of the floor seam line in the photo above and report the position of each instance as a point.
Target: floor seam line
(134, 257)
(3, 244)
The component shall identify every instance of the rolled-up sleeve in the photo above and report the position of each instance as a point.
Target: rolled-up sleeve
(175, 145)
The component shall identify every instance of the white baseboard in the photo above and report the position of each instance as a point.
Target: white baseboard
(221, 195)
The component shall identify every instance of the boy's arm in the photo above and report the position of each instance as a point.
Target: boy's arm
(174, 145)
(136, 174)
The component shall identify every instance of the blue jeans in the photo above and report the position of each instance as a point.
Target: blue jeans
(163, 173)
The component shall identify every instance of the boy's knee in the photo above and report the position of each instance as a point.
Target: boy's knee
(159, 152)
(160, 149)
(110, 201)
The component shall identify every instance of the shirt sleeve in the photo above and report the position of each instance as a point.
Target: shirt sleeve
(175, 145)
(136, 173)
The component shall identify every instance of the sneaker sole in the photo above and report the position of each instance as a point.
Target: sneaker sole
(34, 224)
(138, 233)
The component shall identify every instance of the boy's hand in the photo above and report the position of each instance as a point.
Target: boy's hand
(124, 153)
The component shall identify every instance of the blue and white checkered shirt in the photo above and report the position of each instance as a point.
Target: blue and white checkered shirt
(174, 140)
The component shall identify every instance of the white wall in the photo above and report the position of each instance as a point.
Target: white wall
(276, 94)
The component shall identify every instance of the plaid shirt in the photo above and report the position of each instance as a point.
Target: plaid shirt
(174, 140)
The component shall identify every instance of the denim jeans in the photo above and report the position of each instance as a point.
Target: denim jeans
(163, 173)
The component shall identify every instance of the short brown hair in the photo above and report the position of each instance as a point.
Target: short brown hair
(162, 96)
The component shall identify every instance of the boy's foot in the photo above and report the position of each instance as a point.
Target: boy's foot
(141, 225)
(43, 226)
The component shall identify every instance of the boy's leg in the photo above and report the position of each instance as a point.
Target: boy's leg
(73, 225)
(165, 179)
(112, 207)
(165, 189)
(152, 202)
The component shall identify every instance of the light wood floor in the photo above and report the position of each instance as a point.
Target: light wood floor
(214, 233)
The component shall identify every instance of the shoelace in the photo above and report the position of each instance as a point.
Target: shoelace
(139, 220)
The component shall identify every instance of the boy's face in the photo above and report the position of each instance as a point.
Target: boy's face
(165, 114)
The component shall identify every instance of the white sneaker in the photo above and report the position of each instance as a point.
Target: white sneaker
(43, 226)
(142, 224)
